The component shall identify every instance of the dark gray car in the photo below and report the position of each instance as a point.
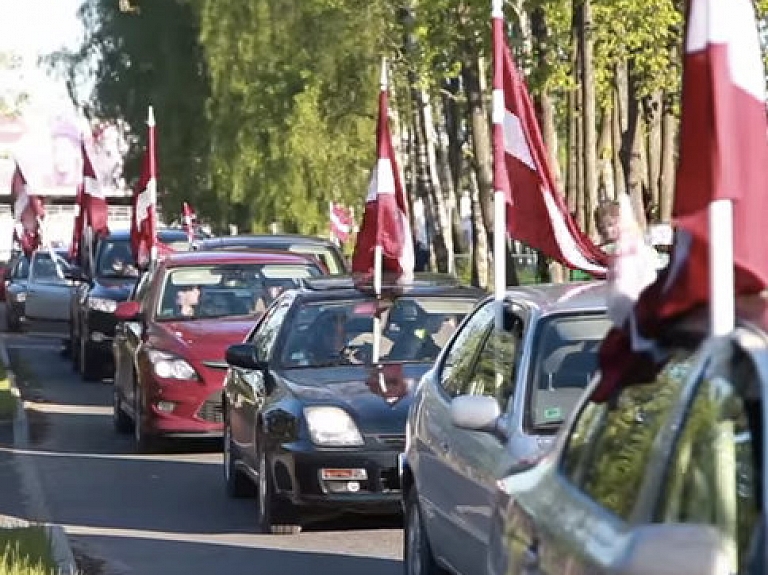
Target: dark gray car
(449, 473)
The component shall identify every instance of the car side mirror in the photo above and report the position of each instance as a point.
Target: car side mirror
(478, 413)
(706, 552)
(244, 355)
(128, 311)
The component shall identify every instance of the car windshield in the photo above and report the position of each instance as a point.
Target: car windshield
(325, 255)
(565, 359)
(116, 260)
(330, 333)
(199, 292)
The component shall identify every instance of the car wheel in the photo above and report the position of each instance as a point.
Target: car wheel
(271, 514)
(417, 553)
(144, 442)
(88, 369)
(122, 422)
(236, 483)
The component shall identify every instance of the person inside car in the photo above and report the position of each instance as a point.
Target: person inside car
(187, 300)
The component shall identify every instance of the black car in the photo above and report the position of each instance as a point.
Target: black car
(104, 282)
(309, 420)
(324, 250)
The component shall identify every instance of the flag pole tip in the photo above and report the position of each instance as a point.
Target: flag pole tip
(383, 79)
(151, 116)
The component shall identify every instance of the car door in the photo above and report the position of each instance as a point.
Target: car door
(48, 291)
(713, 473)
(245, 387)
(476, 459)
(432, 457)
(604, 481)
(128, 338)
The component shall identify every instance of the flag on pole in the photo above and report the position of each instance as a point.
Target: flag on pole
(75, 254)
(723, 156)
(94, 201)
(536, 212)
(189, 221)
(385, 219)
(28, 211)
(341, 222)
(144, 216)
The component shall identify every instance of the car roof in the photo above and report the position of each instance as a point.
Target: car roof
(588, 296)
(163, 234)
(343, 286)
(179, 259)
(264, 239)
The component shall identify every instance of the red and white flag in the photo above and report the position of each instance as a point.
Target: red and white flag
(536, 212)
(723, 155)
(385, 220)
(28, 211)
(144, 216)
(94, 202)
(341, 221)
(78, 228)
(189, 221)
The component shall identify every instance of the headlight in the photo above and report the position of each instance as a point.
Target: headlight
(331, 426)
(20, 297)
(170, 366)
(102, 304)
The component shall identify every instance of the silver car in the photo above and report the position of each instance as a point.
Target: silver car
(48, 292)
(469, 426)
(16, 292)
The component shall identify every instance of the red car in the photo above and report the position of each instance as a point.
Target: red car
(170, 343)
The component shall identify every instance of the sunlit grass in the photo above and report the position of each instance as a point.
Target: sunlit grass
(7, 399)
(26, 551)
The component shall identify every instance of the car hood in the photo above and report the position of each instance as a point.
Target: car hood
(117, 289)
(377, 397)
(201, 339)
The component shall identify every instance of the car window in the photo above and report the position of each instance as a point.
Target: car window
(497, 349)
(115, 260)
(21, 270)
(712, 477)
(325, 255)
(563, 363)
(456, 369)
(266, 335)
(610, 444)
(48, 269)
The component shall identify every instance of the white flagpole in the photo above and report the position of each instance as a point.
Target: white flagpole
(378, 254)
(152, 184)
(721, 274)
(330, 223)
(499, 200)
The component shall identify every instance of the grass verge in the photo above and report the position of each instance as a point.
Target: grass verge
(26, 551)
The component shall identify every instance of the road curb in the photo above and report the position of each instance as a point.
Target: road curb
(30, 481)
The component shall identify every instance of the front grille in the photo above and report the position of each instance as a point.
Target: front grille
(213, 408)
(392, 440)
(213, 364)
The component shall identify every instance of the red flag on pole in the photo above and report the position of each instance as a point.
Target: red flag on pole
(94, 202)
(78, 228)
(341, 222)
(189, 221)
(385, 220)
(536, 212)
(144, 218)
(28, 210)
(723, 156)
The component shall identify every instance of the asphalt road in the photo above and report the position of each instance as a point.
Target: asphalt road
(164, 514)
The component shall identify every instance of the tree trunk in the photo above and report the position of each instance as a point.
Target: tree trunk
(480, 248)
(669, 129)
(589, 115)
(631, 151)
(443, 233)
(605, 189)
(653, 115)
(618, 125)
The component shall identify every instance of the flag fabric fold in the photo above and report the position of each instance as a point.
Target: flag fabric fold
(385, 219)
(94, 201)
(28, 211)
(723, 155)
(144, 204)
(536, 212)
(341, 222)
